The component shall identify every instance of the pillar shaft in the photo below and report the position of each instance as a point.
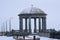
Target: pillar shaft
(39, 24)
(30, 25)
(21, 24)
(35, 30)
(44, 23)
(25, 24)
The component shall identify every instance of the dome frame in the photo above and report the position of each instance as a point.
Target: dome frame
(32, 10)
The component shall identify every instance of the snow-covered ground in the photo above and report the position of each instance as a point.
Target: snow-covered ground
(11, 38)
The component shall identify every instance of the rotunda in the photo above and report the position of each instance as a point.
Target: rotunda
(32, 13)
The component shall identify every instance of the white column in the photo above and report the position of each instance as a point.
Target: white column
(43, 23)
(35, 28)
(26, 24)
(30, 25)
(39, 24)
(21, 24)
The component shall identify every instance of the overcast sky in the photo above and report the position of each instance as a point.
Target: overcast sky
(11, 9)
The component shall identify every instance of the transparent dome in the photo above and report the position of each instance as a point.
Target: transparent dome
(32, 10)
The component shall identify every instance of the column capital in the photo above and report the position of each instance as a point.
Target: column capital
(44, 17)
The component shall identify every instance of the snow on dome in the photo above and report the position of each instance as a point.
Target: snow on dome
(32, 10)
